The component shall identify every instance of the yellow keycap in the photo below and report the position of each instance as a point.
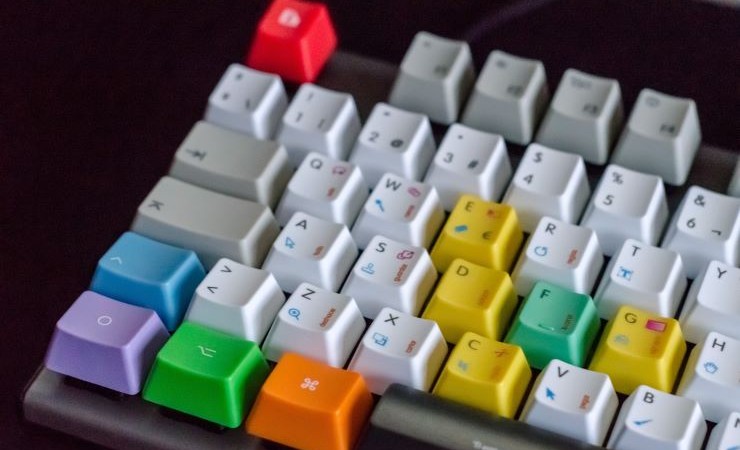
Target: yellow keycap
(640, 347)
(474, 298)
(481, 232)
(485, 374)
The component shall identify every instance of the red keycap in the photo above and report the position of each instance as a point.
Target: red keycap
(294, 39)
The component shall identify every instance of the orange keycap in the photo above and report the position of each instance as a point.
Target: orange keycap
(309, 405)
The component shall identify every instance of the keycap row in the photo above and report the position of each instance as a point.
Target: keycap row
(113, 344)
(509, 98)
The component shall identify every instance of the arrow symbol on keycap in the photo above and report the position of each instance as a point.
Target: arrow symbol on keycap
(117, 259)
(212, 289)
(640, 423)
(379, 202)
(549, 394)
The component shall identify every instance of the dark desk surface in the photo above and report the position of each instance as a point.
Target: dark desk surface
(96, 97)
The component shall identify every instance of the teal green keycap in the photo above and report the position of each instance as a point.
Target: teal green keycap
(555, 323)
(207, 374)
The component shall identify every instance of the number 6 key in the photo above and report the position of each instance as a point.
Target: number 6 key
(705, 227)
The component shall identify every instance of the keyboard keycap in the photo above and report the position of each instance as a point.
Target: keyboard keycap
(469, 161)
(473, 298)
(319, 120)
(481, 232)
(661, 137)
(705, 227)
(485, 374)
(646, 277)
(584, 116)
(311, 406)
(236, 299)
(734, 188)
(435, 77)
(106, 342)
(234, 164)
(326, 188)
(626, 204)
(390, 273)
(213, 225)
(294, 39)
(143, 272)
(406, 418)
(509, 97)
(393, 140)
(207, 374)
(657, 420)
(560, 253)
(317, 324)
(399, 348)
(247, 101)
(313, 250)
(726, 435)
(572, 401)
(711, 304)
(548, 182)
(401, 209)
(711, 376)
(555, 323)
(639, 347)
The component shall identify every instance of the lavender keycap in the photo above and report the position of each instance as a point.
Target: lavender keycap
(106, 342)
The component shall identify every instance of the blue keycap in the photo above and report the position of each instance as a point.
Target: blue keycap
(144, 272)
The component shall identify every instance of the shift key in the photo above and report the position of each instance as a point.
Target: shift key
(213, 225)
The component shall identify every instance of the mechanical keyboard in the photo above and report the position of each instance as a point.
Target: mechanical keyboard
(516, 243)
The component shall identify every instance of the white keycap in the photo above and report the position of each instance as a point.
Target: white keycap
(399, 348)
(561, 253)
(548, 182)
(734, 188)
(236, 299)
(324, 187)
(712, 303)
(572, 401)
(706, 226)
(402, 209)
(509, 97)
(316, 323)
(652, 419)
(435, 77)
(393, 140)
(211, 224)
(726, 435)
(643, 276)
(313, 250)
(661, 137)
(584, 116)
(391, 273)
(247, 101)
(469, 162)
(233, 163)
(712, 377)
(626, 204)
(319, 120)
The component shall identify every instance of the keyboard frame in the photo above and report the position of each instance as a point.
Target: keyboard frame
(130, 422)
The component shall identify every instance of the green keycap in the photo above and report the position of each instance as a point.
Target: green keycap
(207, 374)
(555, 323)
